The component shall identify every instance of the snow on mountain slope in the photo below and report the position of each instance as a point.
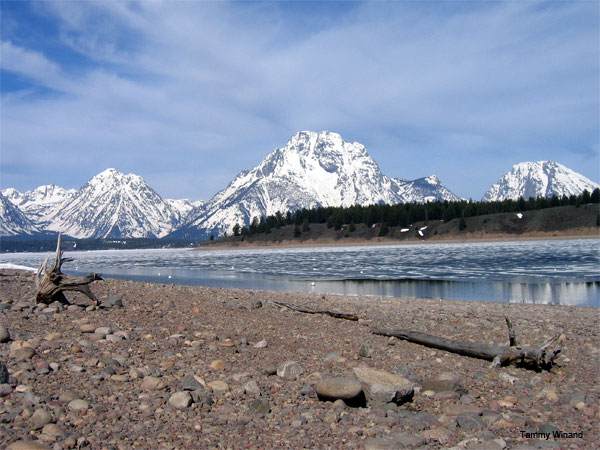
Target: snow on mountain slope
(538, 179)
(184, 206)
(313, 169)
(40, 203)
(115, 205)
(13, 222)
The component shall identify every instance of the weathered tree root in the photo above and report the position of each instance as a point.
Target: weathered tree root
(537, 358)
(51, 284)
(303, 309)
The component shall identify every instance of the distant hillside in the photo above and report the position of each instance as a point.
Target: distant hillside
(581, 220)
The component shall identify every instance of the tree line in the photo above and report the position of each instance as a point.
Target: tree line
(403, 214)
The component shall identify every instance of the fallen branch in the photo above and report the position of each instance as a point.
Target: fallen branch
(51, 284)
(537, 358)
(302, 309)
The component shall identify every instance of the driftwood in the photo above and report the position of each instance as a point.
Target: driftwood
(537, 358)
(51, 284)
(303, 309)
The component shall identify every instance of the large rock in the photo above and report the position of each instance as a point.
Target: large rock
(345, 388)
(382, 387)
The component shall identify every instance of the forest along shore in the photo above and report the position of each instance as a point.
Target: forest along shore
(164, 366)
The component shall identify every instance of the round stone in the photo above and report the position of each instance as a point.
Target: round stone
(40, 418)
(219, 386)
(180, 400)
(27, 445)
(78, 404)
(103, 330)
(251, 388)
(5, 389)
(217, 365)
(334, 388)
(54, 336)
(53, 431)
(67, 396)
(87, 328)
(4, 334)
(289, 370)
(152, 383)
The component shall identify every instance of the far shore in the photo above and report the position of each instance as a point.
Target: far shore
(348, 242)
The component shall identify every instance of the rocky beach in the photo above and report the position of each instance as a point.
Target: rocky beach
(177, 367)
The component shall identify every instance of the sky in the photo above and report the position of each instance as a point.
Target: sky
(188, 93)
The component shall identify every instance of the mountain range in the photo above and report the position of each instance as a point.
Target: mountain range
(312, 169)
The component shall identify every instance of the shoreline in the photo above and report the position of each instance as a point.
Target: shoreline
(348, 242)
(128, 365)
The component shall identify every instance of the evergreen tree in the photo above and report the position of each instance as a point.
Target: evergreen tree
(305, 225)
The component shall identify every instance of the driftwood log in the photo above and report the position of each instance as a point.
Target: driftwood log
(536, 358)
(304, 309)
(52, 284)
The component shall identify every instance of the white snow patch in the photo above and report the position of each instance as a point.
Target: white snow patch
(16, 267)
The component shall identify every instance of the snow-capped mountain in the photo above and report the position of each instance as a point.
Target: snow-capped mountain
(40, 203)
(184, 206)
(428, 189)
(114, 205)
(13, 222)
(313, 169)
(538, 179)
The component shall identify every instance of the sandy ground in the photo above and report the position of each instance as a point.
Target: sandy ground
(116, 378)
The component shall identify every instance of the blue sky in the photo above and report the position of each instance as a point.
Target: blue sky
(187, 93)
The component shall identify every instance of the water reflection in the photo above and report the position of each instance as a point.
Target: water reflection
(557, 293)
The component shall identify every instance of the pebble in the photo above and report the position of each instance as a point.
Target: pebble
(5, 389)
(260, 406)
(192, 383)
(52, 431)
(67, 396)
(219, 386)
(78, 404)
(469, 421)
(289, 370)
(152, 384)
(40, 418)
(4, 334)
(251, 387)
(217, 365)
(260, 344)
(365, 351)
(3, 373)
(180, 400)
(395, 440)
(112, 302)
(87, 328)
(27, 445)
(54, 336)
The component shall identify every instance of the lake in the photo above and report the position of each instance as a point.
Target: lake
(561, 272)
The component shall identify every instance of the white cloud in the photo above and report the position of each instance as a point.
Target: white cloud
(201, 88)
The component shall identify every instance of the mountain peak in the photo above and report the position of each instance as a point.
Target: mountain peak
(312, 169)
(538, 179)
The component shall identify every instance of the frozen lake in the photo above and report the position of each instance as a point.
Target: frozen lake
(550, 272)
